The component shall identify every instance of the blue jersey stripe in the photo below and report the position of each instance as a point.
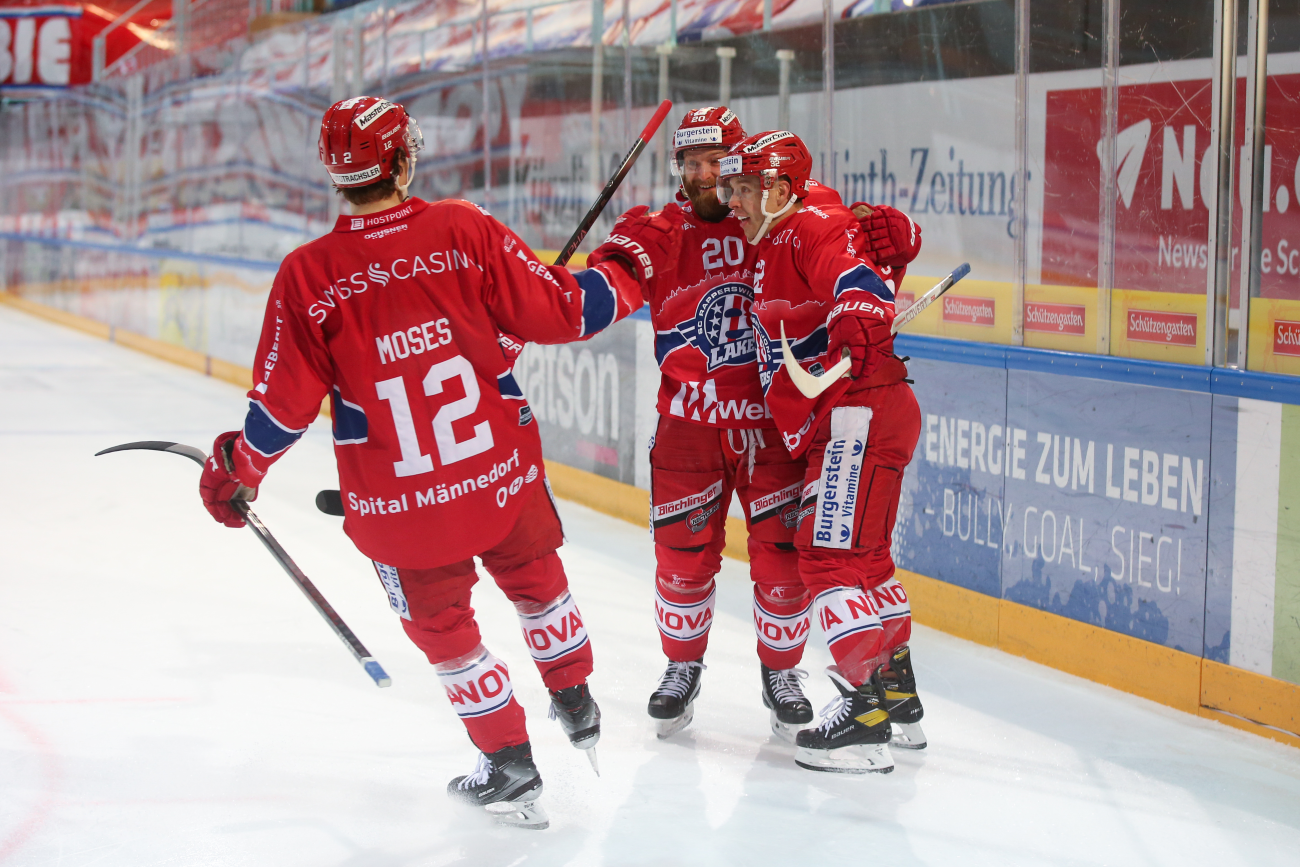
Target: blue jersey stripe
(350, 424)
(509, 386)
(863, 278)
(266, 435)
(599, 303)
(666, 343)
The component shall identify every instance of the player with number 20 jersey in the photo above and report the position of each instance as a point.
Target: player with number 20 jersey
(715, 436)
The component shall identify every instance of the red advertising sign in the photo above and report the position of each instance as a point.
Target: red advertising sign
(1161, 221)
(1055, 318)
(51, 44)
(36, 46)
(965, 310)
(903, 300)
(1286, 337)
(1161, 326)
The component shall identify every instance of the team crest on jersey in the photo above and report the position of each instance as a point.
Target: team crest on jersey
(771, 357)
(721, 329)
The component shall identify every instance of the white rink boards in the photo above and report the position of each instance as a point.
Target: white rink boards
(168, 697)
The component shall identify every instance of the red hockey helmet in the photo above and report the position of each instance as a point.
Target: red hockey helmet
(360, 137)
(769, 155)
(714, 126)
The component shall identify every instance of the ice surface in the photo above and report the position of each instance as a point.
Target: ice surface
(168, 697)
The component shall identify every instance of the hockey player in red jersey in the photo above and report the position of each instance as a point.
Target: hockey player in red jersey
(395, 317)
(815, 284)
(715, 437)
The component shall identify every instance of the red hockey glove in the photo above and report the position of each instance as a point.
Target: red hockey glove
(649, 244)
(863, 327)
(219, 482)
(893, 239)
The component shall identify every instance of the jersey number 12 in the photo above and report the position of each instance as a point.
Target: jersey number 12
(413, 462)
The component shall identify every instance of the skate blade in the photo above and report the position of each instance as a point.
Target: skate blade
(587, 743)
(907, 736)
(591, 757)
(785, 731)
(857, 759)
(666, 728)
(528, 815)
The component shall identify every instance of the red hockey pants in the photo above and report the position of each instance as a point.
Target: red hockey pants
(850, 503)
(694, 470)
(435, 608)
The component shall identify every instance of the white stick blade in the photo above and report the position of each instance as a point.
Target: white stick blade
(810, 386)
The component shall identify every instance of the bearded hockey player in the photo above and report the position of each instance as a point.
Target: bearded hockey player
(715, 436)
(394, 316)
(815, 284)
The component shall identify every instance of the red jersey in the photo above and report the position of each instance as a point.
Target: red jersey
(808, 266)
(704, 338)
(395, 316)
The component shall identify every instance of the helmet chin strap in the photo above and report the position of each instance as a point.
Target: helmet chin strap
(410, 176)
(769, 216)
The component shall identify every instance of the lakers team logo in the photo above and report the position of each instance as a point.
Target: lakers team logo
(771, 357)
(721, 329)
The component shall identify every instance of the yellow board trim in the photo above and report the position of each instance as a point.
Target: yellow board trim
(207, 365)
(194, 360)
(1125, 300)
(1264, 315)
(951, 609)
(577, 260)
(1264, 700)
(1242, 699)
(1152, 671)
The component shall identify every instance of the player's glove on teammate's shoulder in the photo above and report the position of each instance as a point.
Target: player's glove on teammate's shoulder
(861, 323)
(893, 239)
(225, 473)
(648, 243)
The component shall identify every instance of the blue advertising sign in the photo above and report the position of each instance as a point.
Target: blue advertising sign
(1106, 504)
(950, 515)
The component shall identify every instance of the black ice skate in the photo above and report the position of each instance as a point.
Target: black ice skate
(783, 695)
(853, 737)
(902, 702)
(505, 783)
(579, 716)
(673, 702)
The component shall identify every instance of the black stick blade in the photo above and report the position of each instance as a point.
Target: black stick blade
(159, 446)
(330, 502)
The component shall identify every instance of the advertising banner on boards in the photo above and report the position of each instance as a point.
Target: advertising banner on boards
(1081, 497)
(45, 45)
(1106, 504)
(950, 516)
(583, 396)
(1161, 218)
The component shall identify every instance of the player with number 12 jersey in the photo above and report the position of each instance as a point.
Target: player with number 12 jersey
(395, 316)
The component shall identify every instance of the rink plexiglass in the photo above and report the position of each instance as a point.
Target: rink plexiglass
(1064, 152)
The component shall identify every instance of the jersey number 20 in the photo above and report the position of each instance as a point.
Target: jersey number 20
(413, 462)
(729, 249)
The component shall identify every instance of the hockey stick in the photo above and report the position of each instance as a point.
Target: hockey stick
(930, 297)
(606, 194)
(322, 606)
(811, 385)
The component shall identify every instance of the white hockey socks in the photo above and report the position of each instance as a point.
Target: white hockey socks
(477, 683)
(553, 630)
